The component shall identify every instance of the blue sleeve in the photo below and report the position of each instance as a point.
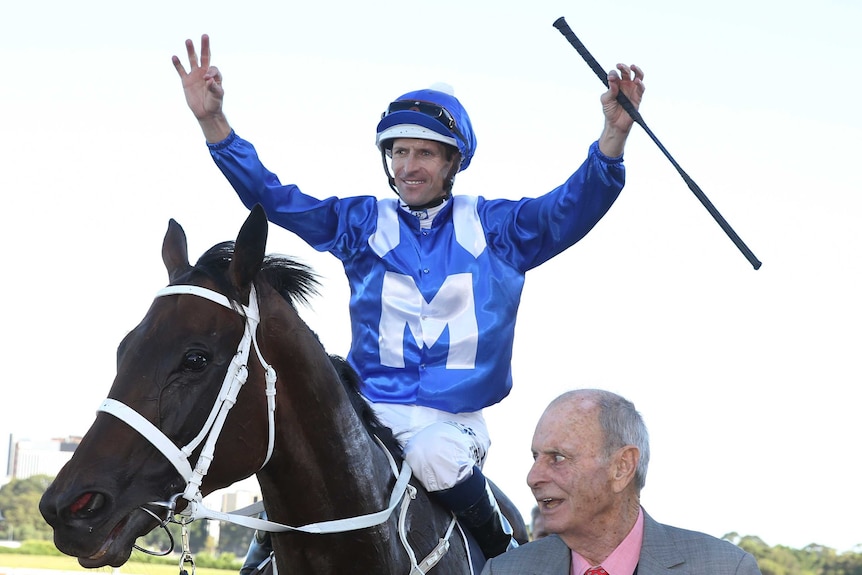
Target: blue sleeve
(334, 225)
(530, 231)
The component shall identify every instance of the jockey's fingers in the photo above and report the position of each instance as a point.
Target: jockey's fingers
(205, 51)
(214, 74)
(193, 57)
(181, 70)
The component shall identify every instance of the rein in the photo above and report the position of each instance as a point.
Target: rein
(235, 378)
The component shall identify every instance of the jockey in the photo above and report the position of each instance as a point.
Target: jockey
(435, 278)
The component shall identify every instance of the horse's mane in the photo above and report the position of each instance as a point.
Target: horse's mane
(296, 282)
(351, 380)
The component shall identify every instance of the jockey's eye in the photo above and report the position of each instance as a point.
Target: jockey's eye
(194, 361)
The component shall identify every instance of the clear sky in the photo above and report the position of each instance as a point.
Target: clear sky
(748, 380)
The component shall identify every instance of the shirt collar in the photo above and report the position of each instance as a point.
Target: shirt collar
(425, 217)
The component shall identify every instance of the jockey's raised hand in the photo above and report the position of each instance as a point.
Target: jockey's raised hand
(202, 85)
(618, 123)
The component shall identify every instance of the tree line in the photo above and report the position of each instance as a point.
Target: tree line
(21, 521)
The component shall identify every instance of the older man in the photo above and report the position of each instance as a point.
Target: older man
(591, 451)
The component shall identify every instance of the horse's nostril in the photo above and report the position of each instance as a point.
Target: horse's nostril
(80, 502)
(87, 503)
(96, 502)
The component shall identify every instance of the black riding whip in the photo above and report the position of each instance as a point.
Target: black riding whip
(561, 25)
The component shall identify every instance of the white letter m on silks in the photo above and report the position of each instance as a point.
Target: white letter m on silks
(453, 306)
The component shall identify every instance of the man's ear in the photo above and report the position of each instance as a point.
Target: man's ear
(625, 464)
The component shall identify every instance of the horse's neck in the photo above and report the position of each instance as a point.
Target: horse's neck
(327, 466)
(325, 463)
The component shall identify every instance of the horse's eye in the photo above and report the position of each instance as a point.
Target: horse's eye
(194, 361)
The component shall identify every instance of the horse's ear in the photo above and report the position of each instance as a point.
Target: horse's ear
(249, 250)
(175, 250)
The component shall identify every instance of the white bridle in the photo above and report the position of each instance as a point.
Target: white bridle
(236, 376)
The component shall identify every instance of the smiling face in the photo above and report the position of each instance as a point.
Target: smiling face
(584, 494)
(420, 168)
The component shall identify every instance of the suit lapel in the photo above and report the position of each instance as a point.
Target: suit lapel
(550, 555)
(658, 553)
(557, 560)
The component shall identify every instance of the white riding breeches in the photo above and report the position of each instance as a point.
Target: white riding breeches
(439, 446)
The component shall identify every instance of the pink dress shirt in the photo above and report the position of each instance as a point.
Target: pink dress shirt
(623, 560)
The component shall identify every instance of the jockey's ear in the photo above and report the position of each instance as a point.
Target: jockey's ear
(175, 251)
(249, 251)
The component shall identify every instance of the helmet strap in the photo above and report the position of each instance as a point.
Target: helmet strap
(432, 204)
(389, 177)
(453, 171)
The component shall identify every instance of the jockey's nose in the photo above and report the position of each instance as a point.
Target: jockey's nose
(408, 162)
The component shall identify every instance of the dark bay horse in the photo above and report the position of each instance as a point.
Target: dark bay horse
(191, 410)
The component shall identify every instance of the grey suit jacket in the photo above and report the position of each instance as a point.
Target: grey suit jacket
(665, 550)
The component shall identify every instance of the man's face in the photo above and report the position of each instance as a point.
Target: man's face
(420, 168)
(571, 478)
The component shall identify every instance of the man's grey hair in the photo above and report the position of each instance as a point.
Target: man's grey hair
(622, 425)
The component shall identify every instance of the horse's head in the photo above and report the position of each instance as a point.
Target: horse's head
(173, 373)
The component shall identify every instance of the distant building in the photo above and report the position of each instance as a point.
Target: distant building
(9, 458)
(231, 501)
(46, 457)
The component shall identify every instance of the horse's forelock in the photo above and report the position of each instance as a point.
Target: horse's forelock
(295, 281)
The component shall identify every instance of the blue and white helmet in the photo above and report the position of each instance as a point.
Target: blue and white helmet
(430, 114)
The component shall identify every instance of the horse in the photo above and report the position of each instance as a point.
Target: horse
(185, 391)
